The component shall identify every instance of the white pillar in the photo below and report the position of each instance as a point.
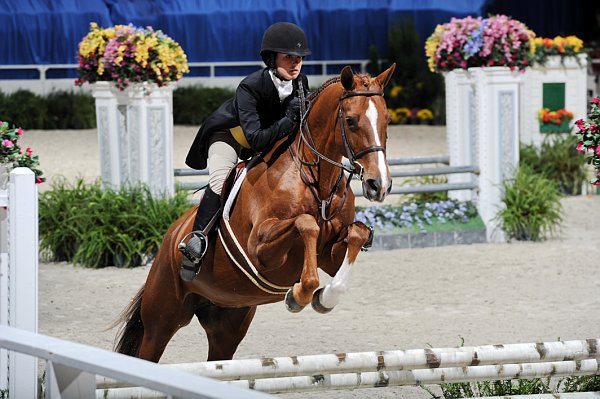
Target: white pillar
(135, 135)
(497, 105)
(461, 133)
(19, 279)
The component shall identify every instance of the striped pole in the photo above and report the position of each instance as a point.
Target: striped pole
(387, 378)
(276, 367)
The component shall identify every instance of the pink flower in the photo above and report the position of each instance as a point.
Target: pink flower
(20, 131)
(596, 100)
(28, 151)
(7, 143)
(580, 125)
(598, 150)
(580, 147)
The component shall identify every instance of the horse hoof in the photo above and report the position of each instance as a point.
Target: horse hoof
(291, 304)
(316, 303)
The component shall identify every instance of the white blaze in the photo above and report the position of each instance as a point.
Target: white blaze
(372, 116)
(331, 294)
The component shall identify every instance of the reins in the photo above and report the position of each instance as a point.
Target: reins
(306, 138)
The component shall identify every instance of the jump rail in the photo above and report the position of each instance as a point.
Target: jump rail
(426, 188)
(388, 368)
(71, 370)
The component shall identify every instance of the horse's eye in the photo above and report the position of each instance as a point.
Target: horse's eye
(352, 122)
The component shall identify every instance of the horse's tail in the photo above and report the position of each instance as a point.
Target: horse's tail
(129, 337)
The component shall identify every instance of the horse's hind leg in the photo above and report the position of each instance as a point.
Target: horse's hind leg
(225, 328)
(163, 313)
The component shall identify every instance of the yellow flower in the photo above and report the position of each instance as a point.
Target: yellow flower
(424, 114)
(395, 91)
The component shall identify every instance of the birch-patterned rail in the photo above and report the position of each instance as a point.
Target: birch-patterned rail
(390, 361)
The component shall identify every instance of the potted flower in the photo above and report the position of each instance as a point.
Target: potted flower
(478, 42)
(12, 155)
(589, 138)
(130, 69)
(125, 54)
(555, 121)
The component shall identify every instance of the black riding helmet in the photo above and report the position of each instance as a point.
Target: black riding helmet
(283, 37)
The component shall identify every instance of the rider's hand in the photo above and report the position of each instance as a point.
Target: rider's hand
(293, 109)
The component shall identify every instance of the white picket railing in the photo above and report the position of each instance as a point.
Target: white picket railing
(18, 276)
(72, 368)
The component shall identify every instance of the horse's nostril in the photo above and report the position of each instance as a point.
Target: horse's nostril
(389, 190)
(373, 184)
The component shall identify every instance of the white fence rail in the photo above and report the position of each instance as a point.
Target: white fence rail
(18, 275)
(471, 184)
(72, 369)
(218, 74)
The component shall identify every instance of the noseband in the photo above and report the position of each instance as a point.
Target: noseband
(352, 156)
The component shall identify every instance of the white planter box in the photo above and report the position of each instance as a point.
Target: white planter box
(135, 135)
(570, 72)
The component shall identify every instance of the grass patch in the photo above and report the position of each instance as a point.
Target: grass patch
(475, 223)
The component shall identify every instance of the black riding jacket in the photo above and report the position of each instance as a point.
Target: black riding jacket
(256, 108)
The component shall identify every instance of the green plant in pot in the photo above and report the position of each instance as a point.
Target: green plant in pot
(532, 206)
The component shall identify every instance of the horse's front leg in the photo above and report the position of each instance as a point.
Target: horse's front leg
(326, 298)
(270, 243)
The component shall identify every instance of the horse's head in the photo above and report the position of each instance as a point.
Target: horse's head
(364, 118)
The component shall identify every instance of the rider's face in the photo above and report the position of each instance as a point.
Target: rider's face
(288, 66)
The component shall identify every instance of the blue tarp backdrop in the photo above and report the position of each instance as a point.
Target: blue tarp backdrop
(49, 31)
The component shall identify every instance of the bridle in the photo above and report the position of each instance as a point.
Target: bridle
(353, 156)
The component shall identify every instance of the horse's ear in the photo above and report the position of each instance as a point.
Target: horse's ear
(347, 78)
(384, 77)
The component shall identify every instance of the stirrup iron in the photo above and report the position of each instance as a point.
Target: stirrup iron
(183, 246)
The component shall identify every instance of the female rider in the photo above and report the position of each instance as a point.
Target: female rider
(265, 108)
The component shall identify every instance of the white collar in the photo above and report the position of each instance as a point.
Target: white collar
(284, 87)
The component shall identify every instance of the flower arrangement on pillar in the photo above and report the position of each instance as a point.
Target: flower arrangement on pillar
(589, 138)
(12, 154)
(478, 42)
(125, 54)
(129, 68)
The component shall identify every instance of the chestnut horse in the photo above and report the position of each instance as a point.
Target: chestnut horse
(293, 213)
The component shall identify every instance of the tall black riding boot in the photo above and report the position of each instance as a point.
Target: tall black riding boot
(196, 246)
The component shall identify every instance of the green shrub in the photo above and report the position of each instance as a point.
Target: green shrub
(588, 383)
(192, 104)
(94, 227)
(533, 208)
(76, 110)
(70, 110)
(557, 159)
(495, 388)
(24, 108)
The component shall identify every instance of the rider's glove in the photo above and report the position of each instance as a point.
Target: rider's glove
(293, 109)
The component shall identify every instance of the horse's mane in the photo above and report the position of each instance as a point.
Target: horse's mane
(329, 82)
